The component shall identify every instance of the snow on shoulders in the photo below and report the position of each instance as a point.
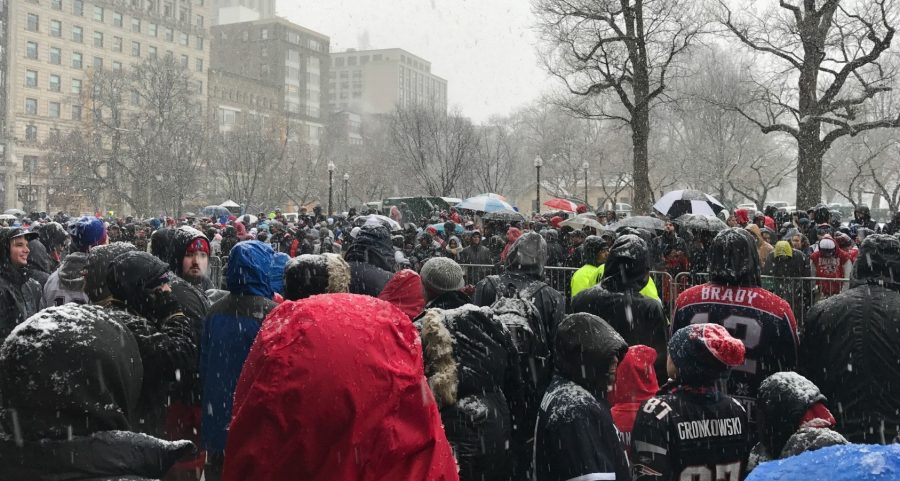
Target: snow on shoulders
(473, 406)
(73, 319)
(567, 399)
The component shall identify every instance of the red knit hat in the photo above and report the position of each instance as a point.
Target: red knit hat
(199, 244)
(703, 352)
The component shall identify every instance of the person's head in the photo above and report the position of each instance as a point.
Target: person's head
(587, 351)
(453, 242)
(733, 259)
(54, 237)
(439, 276)
(137, 280)
(783, 250)
(879, 261)
(821, 214)
(87, 232)
(701, 354)
(827, 246)
(577, 238)
(528, 253)
(670, 227)
(628, 263)
(449, 228)
(97, 268)
(309, 275)
(189, 253)
(797, 241)
(425, 239)
(843, 241)
(47, 396)
(596, 250)
(862, 213)
(14, 246)
(363, 359)
(475, 238)
(635, 376)
(247, 272)
(787, 401)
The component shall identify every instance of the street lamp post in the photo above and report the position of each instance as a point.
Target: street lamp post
(346, 199)
(330, 185)
(538, 163)
(584, 167)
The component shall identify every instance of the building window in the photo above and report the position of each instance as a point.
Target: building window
(56, 4)
(199, 87)
(98, 63)
(264, 34)
(33, 23)
(339, 62)
(77, 34)
(76, 112)
(151, 29)
(264, 52)
(183, 38)
(135, 98)
(54, 83)
(78, 7)
(199, 43)
(117, 44)
(136, 25)
(76, 86)
(135, 49)
(151, 52)
(55, 28)
(53, 110)
(184, 61)
(116, 65)
(199, 21)
(31, 133)
(31, 50)
(31, 78)
(98, 39)
(168, 34)
(98, 14)
(76, 59)
(31, 106)
(117, 19)
(293, 37)
(55, 56)
(199, 65)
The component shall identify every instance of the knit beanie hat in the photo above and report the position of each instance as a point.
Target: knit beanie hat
(441, 274)
(87, 232)
(703, 353)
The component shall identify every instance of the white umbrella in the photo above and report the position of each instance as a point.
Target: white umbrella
(377, 219)
(229, 204)
(484, 204)
(8, 217)
(679, 202)
(579, 222)
(248, 219)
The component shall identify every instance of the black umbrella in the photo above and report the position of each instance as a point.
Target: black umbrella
(640, 222)
(680, 202)
(504, 215)
(701, 222)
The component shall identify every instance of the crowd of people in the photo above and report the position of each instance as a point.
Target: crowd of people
(359, 347)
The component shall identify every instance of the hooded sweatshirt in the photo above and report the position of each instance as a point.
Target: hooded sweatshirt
(67, 283)
(763, 248)
(20, 296)
(372, 418)
(371, 259)
(635, 383)
(404, 291)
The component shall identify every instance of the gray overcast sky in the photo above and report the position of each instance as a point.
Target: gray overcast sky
(484, 48)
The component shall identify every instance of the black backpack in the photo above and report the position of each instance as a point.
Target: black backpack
(515, 309)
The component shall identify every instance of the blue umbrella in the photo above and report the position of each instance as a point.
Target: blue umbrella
(440, 228)
(484, 204)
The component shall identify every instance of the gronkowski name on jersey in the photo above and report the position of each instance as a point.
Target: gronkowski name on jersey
(763, 321)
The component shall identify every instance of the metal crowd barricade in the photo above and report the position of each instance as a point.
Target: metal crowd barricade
(216, 265)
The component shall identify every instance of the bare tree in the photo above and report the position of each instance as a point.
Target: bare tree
(251, 155)
(621, 51)
(495, 158)
(830, 63)
(433, 148)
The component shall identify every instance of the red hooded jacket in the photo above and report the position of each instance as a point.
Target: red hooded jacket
(511, 236)
(334, 389)
(635, 383)
(404, 291)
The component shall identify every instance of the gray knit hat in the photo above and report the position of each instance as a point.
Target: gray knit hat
(441, 274)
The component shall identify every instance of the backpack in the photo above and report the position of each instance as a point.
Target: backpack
(515, 309)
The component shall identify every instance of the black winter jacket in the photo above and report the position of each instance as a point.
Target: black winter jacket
(20, 296)
(371, 260)
(471, 367)
(103, 456)
(548, 301)
(638, 319)
(850, 346)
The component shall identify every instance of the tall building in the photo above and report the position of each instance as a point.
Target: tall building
(377, 81)
(48, 52)
(233, 11)
(283, 56)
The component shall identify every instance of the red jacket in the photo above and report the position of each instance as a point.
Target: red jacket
(635, 383)
(334, 389)
(404, 291)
